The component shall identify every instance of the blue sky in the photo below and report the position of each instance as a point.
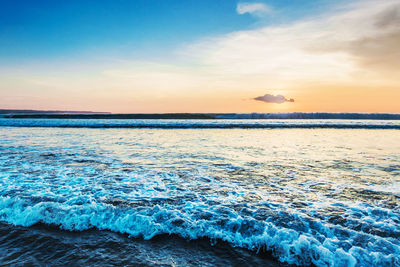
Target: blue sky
(138, 28)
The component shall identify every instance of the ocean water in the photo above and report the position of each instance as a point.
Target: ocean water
(203, 124)
(226, 195)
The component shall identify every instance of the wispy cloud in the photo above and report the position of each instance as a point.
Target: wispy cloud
(256, 9)
(277, 99)
(356, 41)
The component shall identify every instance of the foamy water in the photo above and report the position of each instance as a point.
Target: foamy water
(328, 197)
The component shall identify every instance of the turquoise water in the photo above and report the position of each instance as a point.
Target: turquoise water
(328, 197)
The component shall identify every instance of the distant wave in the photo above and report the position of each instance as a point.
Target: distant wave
(212, 116)
(312, 116)
(202, 124)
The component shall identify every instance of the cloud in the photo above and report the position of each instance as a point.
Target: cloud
(278, 99)
(389, 17)
(374, 47)
(356, 44)
(256, 9)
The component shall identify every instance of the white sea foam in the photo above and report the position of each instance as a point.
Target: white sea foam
(289, 245)
(315, 115)
(391, 188)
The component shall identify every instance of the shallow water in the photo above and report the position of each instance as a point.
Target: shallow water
(49, 246)
(328, 197)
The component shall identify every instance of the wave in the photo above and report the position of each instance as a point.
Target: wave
(314, 242)
(201, 124)
(288, 245)
(312, 116)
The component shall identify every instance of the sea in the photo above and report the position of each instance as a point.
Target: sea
(221, 192)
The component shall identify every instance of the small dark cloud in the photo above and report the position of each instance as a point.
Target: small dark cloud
(278, 99)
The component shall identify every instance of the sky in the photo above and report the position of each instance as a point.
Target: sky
(158, 56)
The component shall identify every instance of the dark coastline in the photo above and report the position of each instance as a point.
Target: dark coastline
(165, 116)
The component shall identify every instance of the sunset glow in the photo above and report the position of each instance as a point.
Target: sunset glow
(336, 57)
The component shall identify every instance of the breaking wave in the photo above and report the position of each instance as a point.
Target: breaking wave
(303, 241)
(203, 124)
(312, 116)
